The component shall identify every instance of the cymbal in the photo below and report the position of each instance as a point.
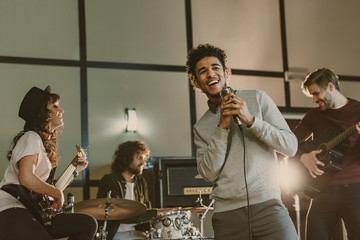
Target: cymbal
(198, 209)
(119, 208)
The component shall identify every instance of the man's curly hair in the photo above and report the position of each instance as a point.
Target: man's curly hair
(203, 50)
(125, 153)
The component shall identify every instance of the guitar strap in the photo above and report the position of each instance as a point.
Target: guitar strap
(51, 179)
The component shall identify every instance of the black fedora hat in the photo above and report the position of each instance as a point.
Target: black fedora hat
(31, 104)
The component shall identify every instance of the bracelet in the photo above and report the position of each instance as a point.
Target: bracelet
(75, 174)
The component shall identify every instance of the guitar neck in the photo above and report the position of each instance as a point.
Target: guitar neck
(67, 175)
(341, 137)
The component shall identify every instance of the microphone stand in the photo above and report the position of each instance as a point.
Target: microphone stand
(297, 210)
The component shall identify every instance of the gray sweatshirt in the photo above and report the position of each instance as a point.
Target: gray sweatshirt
(220, 153)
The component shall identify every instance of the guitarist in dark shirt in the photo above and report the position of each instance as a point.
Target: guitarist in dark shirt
(32, 158)
(340, 197)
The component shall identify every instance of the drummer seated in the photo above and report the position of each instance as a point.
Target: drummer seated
(126, 181)
(130, 228)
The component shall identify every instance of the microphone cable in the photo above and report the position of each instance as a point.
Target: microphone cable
(237, 121)
(246, 184)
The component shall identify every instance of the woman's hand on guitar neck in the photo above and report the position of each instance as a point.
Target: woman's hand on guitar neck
(311, 163)
(82, 162)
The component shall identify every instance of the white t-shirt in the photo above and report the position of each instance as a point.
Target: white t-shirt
(29, 144)
(130, 196)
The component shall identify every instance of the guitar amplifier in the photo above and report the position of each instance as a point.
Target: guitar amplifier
(178, 183)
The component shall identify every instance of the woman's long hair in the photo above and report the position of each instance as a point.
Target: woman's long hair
(41, 125)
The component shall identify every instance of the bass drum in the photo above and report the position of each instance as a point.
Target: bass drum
(174, 225)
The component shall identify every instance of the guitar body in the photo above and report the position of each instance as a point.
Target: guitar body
(39, 205)
(330, 157)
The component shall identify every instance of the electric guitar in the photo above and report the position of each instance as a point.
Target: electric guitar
(42, 206)
(330, 155)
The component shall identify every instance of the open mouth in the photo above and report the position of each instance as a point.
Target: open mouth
(213, 82)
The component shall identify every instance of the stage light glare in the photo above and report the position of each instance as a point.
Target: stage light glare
(291, 177)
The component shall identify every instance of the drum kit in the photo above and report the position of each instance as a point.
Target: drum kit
(170, 225)
(177, 224)
(173, 225)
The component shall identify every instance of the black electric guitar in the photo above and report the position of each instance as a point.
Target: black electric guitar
(331, 156)
(42, 206)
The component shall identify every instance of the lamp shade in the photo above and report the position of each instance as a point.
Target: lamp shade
(131, 120)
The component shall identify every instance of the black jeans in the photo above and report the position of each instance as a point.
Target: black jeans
(19, 224)
(333, 203)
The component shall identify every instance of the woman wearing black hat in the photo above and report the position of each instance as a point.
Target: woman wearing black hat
(32, 160)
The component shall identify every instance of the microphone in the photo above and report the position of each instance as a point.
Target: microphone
(223, 93)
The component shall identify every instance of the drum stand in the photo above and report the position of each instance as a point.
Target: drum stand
(202, 216)
(102, 230)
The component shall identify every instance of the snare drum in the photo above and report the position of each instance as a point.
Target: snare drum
(174, 225)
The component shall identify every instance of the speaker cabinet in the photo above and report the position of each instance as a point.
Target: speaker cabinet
(178, 183)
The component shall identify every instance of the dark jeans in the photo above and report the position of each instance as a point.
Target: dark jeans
(270, 220)
(333, 203)
(19, 224)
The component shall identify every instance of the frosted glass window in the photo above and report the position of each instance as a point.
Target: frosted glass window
(161, 100)
(322, 34)
(297, 97)
(350, 89)
(136, 31)
(248, 30)
(15, 81)
(39, 29)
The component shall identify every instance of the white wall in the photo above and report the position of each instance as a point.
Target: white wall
(319, 33)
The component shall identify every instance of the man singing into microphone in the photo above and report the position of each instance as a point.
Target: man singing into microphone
(239, 157)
